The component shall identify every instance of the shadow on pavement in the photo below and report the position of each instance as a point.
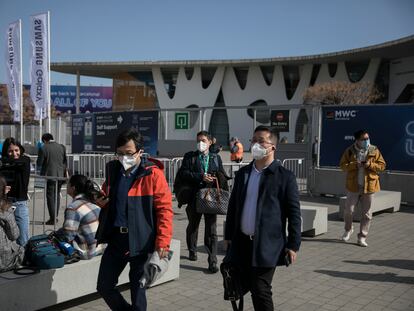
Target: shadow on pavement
(375, 277)
(327, 241)
(193, 268)
(393, 263)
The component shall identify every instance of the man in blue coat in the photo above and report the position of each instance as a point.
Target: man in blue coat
(264, 198)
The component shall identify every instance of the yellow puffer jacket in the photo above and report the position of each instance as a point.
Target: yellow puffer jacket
(349, 164)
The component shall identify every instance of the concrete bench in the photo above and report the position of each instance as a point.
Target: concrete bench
(382, 201)
(50, 287)
(314, 219)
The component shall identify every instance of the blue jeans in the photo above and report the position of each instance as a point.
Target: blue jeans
(22, 219)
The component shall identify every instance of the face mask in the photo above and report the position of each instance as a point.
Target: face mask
(365, 144)
(201, 146)
(258, 151)
(127, 161)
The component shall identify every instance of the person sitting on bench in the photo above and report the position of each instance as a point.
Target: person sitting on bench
(82, 217)
(11, 254)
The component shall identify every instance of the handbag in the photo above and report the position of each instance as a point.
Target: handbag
(234, 289)
(212, 200)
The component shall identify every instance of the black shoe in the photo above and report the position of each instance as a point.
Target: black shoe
(51, 222)
(213, 268)
(192, 256)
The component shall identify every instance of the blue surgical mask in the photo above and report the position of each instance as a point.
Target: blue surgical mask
(365, 144)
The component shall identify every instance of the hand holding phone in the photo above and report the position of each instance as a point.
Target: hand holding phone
(287, 259)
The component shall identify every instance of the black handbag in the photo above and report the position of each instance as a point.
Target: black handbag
(234, 287)
(212, 200)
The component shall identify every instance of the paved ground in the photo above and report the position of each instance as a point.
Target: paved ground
(329, 274)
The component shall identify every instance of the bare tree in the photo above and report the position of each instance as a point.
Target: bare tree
(342, 93)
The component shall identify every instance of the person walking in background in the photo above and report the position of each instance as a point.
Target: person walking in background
(136, 219)
(52, 161)
(362, 162)
(315, 149)
(11, 254)
(215, 148)
(199, 169)
(236, 150)
(82, 217)
(264, 199)
(16, 168)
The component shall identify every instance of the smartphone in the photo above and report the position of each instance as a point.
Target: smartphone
(287, 259)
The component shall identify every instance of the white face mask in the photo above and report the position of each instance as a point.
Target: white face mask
(127, 161)
(258, 151)
(202, 146)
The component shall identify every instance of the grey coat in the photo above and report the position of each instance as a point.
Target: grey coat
(51, 160)
(11, 254)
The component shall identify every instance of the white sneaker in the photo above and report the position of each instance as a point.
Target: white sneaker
(362, 242)
(347, 235)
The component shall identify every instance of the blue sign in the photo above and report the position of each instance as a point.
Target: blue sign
(92, 98)
(391, 129)
(98, 131)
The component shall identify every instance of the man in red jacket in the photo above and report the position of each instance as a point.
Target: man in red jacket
(136, 219)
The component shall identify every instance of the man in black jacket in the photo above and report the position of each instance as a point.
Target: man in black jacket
(199, 169)
(264, 198)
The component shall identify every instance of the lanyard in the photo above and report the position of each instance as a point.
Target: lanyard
(204, 162)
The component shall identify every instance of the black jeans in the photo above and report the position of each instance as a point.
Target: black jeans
(113, 262)
(210, 232)
(259, 279)
(53, 201)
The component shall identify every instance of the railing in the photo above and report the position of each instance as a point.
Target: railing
(38, 192)
(93, 166)
(298, 167)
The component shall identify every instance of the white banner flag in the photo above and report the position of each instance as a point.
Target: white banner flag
(39, 67)
(13, 68)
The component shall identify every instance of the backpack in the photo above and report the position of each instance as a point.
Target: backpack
(42, 253)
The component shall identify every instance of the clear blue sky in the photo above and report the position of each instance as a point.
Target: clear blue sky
(135, 30)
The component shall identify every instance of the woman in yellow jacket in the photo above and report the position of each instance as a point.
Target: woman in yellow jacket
(362, 162)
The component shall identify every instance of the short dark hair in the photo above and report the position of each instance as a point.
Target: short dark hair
(6, 144)
(206, 134)
(47, 137)
(359, 133)
(130, 134)
(274, 135)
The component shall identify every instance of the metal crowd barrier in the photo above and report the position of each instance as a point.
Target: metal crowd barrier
(298, 167)
(37, 192)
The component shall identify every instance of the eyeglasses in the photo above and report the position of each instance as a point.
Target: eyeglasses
(260, 141)
(118, 154)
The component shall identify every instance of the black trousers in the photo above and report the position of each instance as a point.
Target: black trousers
(113, 262)
(259, 279)
(210, 232)
(53, 201)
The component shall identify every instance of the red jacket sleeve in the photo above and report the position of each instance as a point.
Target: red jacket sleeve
(163, 210)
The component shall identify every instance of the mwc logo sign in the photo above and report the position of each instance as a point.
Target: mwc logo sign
(341, 114)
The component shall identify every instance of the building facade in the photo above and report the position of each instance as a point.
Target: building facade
(249, 89)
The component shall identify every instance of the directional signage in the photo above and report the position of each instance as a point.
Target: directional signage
(98, 132)
(182, 120)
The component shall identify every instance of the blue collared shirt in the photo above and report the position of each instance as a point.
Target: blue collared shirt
(125, 183)
(248, 219)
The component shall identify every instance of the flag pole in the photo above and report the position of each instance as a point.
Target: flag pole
(21, 83)
(48, 67)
